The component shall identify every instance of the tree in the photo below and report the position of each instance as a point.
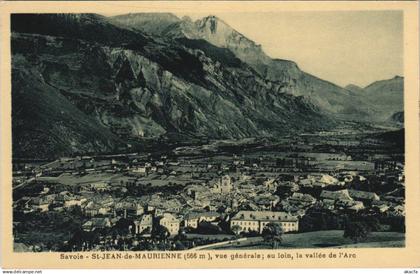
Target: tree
(124, 226)
(160, 232)
(273, 233)
(77, 240)
(236, 229)
(182, 234)
(357, 231)
(179, 246)
(208, 228)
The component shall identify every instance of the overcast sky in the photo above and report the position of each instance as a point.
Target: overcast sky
(344, 47)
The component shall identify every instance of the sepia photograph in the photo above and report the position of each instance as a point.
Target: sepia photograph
(209, 131)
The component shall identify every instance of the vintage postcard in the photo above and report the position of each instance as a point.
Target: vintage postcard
(209, 134)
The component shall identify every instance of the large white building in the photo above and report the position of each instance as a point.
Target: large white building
(248, 221)
(170, 222)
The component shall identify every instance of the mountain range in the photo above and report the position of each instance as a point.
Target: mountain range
(86, 83)
(387, 98)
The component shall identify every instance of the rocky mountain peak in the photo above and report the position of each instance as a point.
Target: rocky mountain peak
(186, 18)
(219, 33)
(210, 23)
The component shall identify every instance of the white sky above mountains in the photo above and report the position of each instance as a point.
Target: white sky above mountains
(343, 47)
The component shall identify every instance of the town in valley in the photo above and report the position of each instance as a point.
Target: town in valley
(218, 195)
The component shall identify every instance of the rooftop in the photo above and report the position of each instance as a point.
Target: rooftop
(264, 216)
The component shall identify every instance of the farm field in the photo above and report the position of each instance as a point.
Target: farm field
(68, 179)
(322, 239)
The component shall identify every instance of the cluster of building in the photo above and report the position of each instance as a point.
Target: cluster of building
(234, 194)
(239, 201)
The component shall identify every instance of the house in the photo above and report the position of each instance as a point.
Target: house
(363, 195)
(104, 210)
(247, 221)
(127, 208)
(99, 186)
(144, 225)
(40, 204)
(139, 170)
(323, 180)
(382, 208)
(336, 195)
(171, 205)
(91, 211)
(193, 219)
(356, 206)
(170, 222)
(244, 178)
(96, 223)
(303, 199)
(290, 207)
(270, 185)
(328, 204)
(306, 182)
(292, 186)
(266, 201)
(346, 204)
(327, 179)
(70, 201)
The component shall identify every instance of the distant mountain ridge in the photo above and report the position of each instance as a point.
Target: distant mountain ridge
(387, 96)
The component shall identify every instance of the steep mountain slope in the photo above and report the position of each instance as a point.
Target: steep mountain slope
(327, 96)
(46, 123)
(388, 94)
(386, 97)
(94, 92)
(151, 23)
(90, 27)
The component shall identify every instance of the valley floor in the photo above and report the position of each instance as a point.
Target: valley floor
(316, 239)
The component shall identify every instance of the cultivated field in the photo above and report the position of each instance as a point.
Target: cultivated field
(322, 239)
